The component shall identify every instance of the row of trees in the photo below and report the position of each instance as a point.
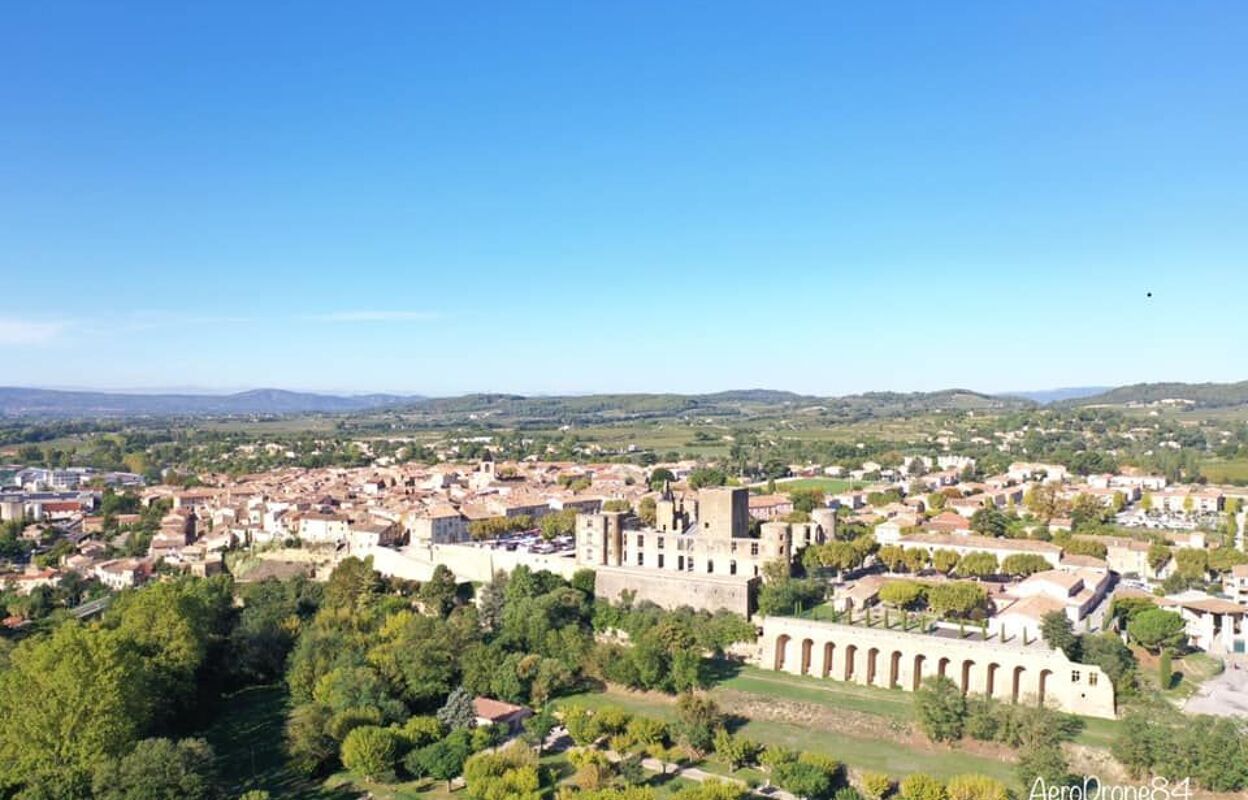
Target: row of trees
(946, 715)
(957, 599)
(971, 565)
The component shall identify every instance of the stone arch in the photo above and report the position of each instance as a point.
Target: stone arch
(918, 671)
(873, 657)
(807, 647)
(782, 642)
(965, 682)
(1017, 689)
(1044, 681)
(894, 670)
(942, 668)
(829, 650)
(851, 654)
(990, 681)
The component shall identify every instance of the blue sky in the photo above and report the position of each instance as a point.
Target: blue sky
(571, 197)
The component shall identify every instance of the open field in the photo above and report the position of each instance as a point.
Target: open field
(1226, 471)
(825, 485)
(890, 703)
(857, 752)
(247, 738)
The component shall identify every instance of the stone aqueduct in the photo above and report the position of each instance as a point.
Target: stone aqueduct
(1008, 672)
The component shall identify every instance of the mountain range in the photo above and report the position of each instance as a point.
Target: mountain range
(27, 402)
(21, 402)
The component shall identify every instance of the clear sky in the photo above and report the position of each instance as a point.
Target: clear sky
(595, 196)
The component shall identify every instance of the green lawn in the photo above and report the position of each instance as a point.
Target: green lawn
(858, 752)
(806, 689)
(247, 738)
(825, 485)
(1224, 471)
(890, 703)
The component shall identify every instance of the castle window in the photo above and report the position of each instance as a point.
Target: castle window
(680, 562)
(1091, 678)
(710, 566)
(732, 567)
(1074, 676)
(641, 540)
(660, 542)
(754, 549)
(660, 561)
(641, 559)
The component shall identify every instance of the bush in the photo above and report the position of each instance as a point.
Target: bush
(975, 787)
(920, 786)
(941, 709)
(370, 752)
(1043, 760)
(803, 780)
(875, 785)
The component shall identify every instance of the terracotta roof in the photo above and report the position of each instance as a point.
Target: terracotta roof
(1035, 607)
(493, 710)
(1077, 560)
(1210, 605)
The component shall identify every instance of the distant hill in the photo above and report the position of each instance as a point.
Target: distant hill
(1202, 395)
(1046, 396)
(607, 408)
(500, 408)
(18, 402)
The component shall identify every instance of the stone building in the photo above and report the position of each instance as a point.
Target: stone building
(706, 536)
(700, 551)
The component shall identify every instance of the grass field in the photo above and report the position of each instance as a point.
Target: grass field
(1224, 471)
(825, 485)
(247, 738)
(889, 703)
(854, 751)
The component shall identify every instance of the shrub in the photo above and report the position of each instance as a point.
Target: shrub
(874, 785)
(370, 752)
(920, 786)
(941, 709)
(975, 787)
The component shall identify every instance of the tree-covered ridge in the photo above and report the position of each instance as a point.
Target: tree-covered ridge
(1203, 395)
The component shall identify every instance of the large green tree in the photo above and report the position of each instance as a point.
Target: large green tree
(70, 701)
(159, 768)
